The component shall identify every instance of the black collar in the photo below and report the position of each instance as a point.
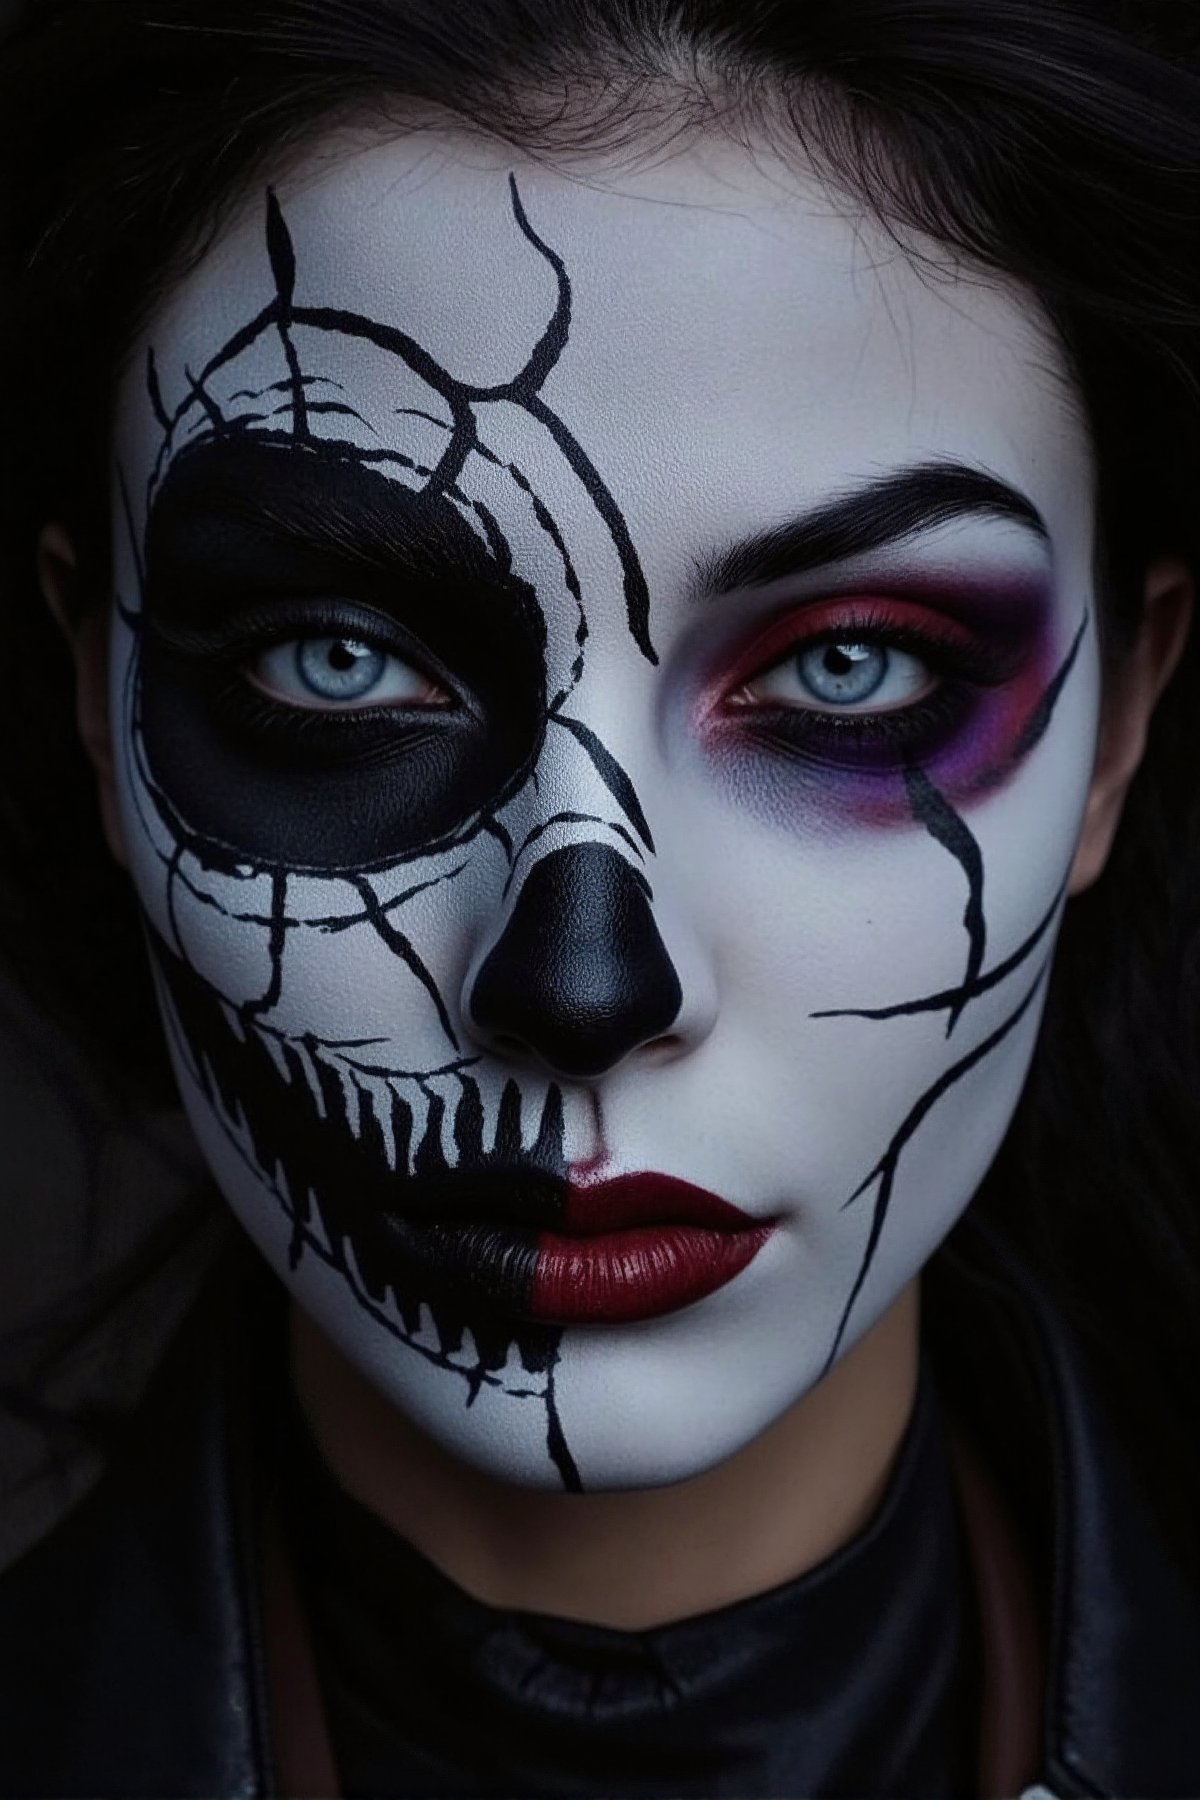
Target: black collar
(1123, 1625)
(131, 1660)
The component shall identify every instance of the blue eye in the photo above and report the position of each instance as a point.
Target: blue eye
(841, 676)
(340, 673)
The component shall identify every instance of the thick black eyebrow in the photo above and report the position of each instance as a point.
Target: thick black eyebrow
(267, 514)
(884, 511)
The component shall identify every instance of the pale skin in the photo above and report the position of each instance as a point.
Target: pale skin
(794, 1495)
(776, 1507)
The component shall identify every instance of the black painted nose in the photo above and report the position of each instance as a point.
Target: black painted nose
(580, 975)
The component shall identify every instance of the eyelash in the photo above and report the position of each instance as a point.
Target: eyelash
(962, 664)
(228, 651)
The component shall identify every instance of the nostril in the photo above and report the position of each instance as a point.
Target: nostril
(579, 976)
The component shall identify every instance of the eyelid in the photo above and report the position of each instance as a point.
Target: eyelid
(265, 625)
(355, 705)
(263, 622)
(897, 621)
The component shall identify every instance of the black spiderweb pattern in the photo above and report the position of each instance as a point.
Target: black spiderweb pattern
(931, 809)
(311, 1093)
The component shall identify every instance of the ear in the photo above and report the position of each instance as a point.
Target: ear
(1136, 683)
(87, 635)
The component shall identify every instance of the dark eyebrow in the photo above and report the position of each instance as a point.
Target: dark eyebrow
(268, 515)
(884, 511)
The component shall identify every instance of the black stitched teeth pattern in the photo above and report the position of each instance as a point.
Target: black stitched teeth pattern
(362, 1191)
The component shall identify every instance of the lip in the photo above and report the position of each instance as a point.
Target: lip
(619, 1251)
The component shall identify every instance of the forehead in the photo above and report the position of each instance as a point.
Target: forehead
(742, 339)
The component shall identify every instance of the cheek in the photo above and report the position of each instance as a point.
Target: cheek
(815, 903)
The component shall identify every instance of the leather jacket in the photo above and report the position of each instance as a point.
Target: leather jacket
(133, 1655)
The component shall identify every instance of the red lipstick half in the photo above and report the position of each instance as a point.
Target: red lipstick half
(637, 1247)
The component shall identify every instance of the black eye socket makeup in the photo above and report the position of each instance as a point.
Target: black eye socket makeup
(251, 545)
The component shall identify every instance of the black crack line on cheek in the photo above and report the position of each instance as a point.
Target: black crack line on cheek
(282, 258)
(958, 996)
(954, 999)
(400, 946)
(276, 941)
(385, 1071)
(932, 810)
(494, 829)
(886, 1168)
(569, 818)
(610, 772)
(332, 923)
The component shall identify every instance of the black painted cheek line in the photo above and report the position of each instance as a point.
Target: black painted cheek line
(932, 810)
(886, 1168)
(382, 1071)
(610, 772)
(275, 947)
(333, 923)
(957, 996)
(401, 947)
(494, 829)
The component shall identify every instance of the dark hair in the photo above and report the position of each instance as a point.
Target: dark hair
(1055, 140)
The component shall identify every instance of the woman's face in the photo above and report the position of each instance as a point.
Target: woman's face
(605, 675)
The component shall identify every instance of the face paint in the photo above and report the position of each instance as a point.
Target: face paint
(606, 691)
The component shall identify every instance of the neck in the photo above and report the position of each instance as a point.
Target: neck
(631, 1560)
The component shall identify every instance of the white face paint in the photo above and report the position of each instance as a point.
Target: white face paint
(528, 870)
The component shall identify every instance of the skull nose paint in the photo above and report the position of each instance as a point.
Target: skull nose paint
(580, 975)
